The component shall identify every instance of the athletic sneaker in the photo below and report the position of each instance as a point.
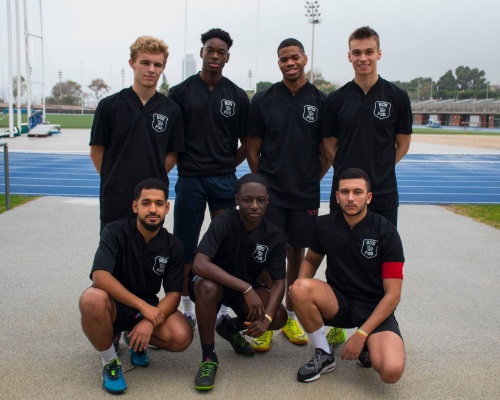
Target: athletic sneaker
(364, 358)
(191, 320)
(336, 336)
(205, 377)
(263, 342)
(320, 363)
(137, 358)
(116, 340)
(294, 332)
(240, 345)
(112, 377)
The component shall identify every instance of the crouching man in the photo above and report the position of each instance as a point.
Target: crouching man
(134, 258)
(364, 273)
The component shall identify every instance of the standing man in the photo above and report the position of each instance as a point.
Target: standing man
(285, 146)
(136, 132)
(364, 273)
(136, 256)
(237, 247)
(368, 125)
(215, 113)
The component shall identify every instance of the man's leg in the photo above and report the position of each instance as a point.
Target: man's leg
(314, 302)
(207, 295)
(387, 354)
(98, 313)
(174, 334)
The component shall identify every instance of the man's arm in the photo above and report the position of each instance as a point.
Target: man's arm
(402, 146)
(170, 161)
(254, 144)
(105, 281)
(331, 144)
(96, 154)
(385, 307)
(310, 264)
(241, 154)
(325, 163)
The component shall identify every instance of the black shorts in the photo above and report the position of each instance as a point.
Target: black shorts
(231, 298)
(298, 225)
(352, 314)
(127, 317)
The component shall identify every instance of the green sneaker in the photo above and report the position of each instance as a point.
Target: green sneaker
(240, 345)
(294, 332)
(336, 336)
(262, 343)
(112, 377)
(205, 377)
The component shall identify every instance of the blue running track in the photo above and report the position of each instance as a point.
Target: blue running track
(422, 178)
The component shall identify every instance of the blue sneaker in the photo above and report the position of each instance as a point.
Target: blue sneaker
(112, 377)
(137, 358)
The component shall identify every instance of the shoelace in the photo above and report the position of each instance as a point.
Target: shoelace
(113, 371)
(263, 338)
(207, 367)
(294, 328)
(238, 340)
(316, 361)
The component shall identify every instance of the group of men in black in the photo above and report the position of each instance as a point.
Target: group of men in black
(253, 254)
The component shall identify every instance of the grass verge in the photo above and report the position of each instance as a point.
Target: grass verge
(487, 214)
(15, 201)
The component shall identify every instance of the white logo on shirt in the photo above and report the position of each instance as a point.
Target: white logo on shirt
(159, 122)
(160, 265)
(310, 113)
(382, 109)
(260, 253)
(369, 248)
(227, 107)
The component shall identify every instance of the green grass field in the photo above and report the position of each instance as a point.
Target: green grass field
(65, 120)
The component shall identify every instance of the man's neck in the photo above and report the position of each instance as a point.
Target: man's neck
(143, 93)
(352, 221)
(211, 79)
(365, 82)
(147, 235)
(294, 86)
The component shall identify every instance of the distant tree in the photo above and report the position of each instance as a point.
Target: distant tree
(263, 85)
(320, 82)
(66, 93)
(98, 87)
(164, 87)
(467, 78)
(447, 82)
(23, 86)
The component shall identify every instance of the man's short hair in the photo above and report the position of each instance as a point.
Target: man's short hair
(148, 44)
(365, 32)
(219, 34)
(291, 42)
(355, 173)
(150, 183)
(251, 178)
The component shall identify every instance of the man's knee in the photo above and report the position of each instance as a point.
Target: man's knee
(391, 372)
(94, 301)
(300, 290)
(207, 291)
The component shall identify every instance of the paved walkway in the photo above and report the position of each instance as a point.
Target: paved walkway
(448, 315)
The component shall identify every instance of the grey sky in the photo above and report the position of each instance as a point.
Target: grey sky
(90, 39)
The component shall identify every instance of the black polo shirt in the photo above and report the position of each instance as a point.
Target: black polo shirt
(365, 126)
(136, 141)
(139, 266)
(290, 129)
(214, 120)
(354, 257)
(243, 253)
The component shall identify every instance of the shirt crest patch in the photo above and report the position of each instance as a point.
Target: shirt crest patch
(382, 109)
(260, 253)
(159, 122)
(369, 248)
(160, 265)
(227, 107)
(310, 113)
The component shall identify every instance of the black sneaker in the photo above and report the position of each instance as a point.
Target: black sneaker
(240, 345)
(205, 377)
(364, 358)
(116, 341)
(320, 363)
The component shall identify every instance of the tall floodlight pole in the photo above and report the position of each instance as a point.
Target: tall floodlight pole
(250, 79)
(28, 63)
(59, 75)
(18, 52)
(312, 15)
(10, 73)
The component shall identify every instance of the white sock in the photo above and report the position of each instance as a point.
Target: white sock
(291, 314)
(224, 310)
(108, 355)
(318, 338)
(187, 306)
